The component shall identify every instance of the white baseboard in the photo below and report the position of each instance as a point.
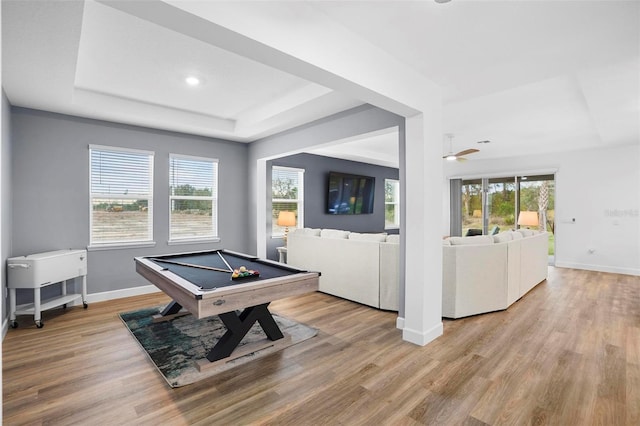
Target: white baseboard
(118, 294)
(421, 338)
(598, 268)
(400, 323)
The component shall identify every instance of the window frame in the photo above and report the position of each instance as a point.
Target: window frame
(214, 198)
(115, 244)
(395, 203)
(299, 200)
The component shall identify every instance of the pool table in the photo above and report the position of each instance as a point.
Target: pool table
(202, 283)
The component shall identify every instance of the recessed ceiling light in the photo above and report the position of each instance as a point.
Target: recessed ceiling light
(192, 80)
(443, 1)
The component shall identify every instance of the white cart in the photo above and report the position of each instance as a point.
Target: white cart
(36, 271)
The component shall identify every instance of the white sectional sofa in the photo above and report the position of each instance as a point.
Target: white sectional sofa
(480, 274)
(489, 273)
(359, 267)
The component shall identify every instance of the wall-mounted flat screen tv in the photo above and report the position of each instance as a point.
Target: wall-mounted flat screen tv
(350, 194)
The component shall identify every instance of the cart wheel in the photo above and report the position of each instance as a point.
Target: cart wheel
(64, 306)
(39, 324)
(14, 324)
(85, 305)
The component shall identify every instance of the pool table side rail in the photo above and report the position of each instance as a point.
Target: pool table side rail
(206, 252)
(231, 299)
(231, 253)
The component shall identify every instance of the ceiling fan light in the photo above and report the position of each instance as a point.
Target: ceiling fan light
(451, 157)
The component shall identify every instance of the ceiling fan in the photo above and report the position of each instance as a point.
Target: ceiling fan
(460, 155)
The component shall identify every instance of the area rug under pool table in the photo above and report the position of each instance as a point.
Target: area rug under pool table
(174, 346)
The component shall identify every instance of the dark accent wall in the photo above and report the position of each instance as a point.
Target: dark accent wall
(316, 175)
(51, 190)
(346, 124)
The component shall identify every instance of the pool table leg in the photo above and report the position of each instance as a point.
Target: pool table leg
(171, 309)
(239, 325)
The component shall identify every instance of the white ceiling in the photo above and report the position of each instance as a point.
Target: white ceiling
(530, 76)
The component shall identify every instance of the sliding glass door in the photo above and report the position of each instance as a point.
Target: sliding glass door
(501, 204)
(490, 205)
(472, 201)
(537, 195)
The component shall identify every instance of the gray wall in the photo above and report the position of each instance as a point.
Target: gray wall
(51, 190)
(316, 173)
(5, 198)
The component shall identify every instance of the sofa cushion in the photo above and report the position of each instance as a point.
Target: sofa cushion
(502, 237)
(311, 232)
(334, 233)
(395, 239)
(378, 238)
(526, 232)
(516, 235)
(477, 240)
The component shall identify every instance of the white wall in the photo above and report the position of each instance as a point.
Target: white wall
(6, 218)
(599, 188)
(4, 197)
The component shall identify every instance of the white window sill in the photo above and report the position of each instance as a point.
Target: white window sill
(193, 241)
(120, 246)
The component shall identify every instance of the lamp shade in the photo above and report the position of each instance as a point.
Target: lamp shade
(286, 219)
(527, 218)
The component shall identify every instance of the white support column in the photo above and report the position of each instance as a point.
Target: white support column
(423, 216)
(261, 207)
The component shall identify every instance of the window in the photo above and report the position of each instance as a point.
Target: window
(287, 195)
(121, 196)
(391, 203)
(193, 198)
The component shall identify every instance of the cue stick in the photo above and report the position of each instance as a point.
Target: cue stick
(210, 268)
(225, 262)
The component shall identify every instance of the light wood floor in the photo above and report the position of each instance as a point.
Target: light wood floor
(568, 353)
